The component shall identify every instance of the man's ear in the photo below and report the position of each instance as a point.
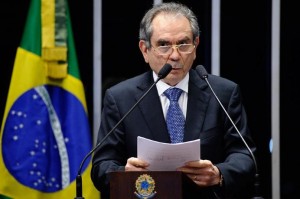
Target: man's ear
(197, 41)
(144, 50)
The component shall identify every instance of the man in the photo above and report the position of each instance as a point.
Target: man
(169, 33)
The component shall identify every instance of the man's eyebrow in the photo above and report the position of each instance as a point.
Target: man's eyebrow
(163, 41)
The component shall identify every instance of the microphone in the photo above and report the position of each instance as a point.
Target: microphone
(204, 75)
(164, 71)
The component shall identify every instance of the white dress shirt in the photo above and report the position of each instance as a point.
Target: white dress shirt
(183, 85)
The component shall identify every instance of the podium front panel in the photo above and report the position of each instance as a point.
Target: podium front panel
(150, 184)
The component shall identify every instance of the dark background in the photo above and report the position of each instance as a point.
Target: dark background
(245, 59)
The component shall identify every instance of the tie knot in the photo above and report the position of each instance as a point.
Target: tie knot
(173, 94)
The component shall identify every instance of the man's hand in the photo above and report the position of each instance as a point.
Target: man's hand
(135, 164)
(202, 172)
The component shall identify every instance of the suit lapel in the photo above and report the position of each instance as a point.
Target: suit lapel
(150, 106)
(198, 99)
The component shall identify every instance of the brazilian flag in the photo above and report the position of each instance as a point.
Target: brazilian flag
(45, 133)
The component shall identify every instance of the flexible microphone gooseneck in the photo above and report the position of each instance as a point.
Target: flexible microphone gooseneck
(164, 71)
(204, 75)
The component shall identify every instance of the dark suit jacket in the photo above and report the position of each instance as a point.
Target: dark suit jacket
(205, 119)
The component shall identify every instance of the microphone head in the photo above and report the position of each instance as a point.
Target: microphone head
(164, 71)
(201, 71)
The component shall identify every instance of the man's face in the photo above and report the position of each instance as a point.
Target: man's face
(168, 30)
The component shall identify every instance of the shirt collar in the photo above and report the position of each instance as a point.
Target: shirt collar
(162, 86)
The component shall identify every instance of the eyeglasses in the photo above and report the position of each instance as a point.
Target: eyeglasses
(168, 50)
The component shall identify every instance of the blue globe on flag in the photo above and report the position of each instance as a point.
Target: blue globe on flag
(45, 141)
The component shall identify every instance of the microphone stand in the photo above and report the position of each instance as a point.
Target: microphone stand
(166, 69)
(203, 74)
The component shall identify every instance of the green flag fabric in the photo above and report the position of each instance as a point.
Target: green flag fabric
(45, 133)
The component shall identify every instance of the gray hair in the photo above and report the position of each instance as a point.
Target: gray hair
(146, 29)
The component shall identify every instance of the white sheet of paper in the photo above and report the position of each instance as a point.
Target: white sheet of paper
(165, 156)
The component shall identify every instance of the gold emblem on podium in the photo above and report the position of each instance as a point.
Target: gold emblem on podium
(145, 187)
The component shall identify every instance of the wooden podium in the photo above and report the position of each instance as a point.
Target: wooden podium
(151, 184)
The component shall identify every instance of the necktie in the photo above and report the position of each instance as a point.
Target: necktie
(175, 118)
